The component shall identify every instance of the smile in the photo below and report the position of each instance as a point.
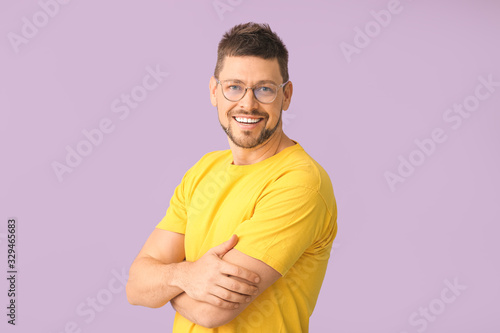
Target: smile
(244, 120)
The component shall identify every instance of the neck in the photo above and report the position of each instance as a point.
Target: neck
(245, 156)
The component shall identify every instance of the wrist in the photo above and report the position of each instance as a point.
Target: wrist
(179, 273)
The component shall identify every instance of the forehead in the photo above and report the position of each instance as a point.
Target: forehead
(250, 69)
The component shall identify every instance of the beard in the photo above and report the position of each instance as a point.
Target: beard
(245, 140)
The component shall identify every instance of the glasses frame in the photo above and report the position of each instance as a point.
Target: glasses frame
(253, 91)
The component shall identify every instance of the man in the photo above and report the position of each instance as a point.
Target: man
(245, 242)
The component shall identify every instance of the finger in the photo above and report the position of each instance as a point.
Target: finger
(221, 303)
(239, 272)
(230, 296)
(223, 248)
(232, 284)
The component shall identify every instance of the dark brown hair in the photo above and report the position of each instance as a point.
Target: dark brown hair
(252, 39)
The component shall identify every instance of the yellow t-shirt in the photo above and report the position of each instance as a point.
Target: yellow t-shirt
(284, 213)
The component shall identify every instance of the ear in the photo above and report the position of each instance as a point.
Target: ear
(213, 91)
(287, 95)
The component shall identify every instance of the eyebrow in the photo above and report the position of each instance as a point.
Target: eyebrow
(258, 82)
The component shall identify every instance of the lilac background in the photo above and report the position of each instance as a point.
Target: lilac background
(394, 249)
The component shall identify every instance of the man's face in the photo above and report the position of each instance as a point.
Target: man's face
(249, 123)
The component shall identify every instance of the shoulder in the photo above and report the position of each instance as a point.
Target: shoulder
(216, 156)
(209, 161)
(299, 169)
(299, 172)
(312, 181)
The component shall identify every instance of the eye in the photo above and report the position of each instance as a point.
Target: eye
(265, 89)
(233, 87)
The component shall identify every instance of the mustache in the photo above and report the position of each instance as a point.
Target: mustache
(248, 113)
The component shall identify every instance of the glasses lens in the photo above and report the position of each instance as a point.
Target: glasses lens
(265, 93)
(233, 91)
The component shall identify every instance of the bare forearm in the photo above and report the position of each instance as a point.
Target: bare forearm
(187, 307)
(201, 313)
(152, 283)
(209, 314)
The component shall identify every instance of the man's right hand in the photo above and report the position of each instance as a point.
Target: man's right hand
(214, 281)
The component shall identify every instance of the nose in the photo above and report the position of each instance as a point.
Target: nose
(249, 102)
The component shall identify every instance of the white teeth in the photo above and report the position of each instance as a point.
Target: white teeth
(247, 120)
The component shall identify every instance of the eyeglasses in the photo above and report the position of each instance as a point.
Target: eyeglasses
(264, 92)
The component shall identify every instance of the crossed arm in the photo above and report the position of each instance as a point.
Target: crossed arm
(210, 291)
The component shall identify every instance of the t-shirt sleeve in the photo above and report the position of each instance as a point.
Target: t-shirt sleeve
(176, 217)
(286, 222)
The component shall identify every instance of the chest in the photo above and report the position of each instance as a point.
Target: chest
(217, 205)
